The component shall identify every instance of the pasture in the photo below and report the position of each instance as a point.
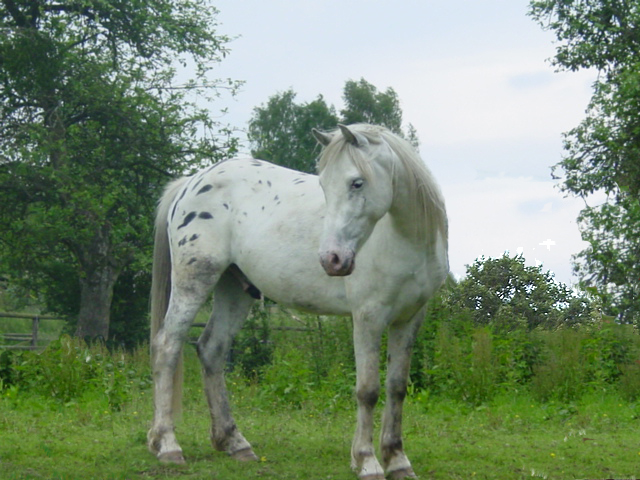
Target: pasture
(80, 412)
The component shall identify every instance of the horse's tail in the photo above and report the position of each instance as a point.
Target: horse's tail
(161, 283)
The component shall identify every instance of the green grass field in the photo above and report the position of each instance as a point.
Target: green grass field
(511, 437)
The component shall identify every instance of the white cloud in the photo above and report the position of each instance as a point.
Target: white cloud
(497, 215)
(513, 95)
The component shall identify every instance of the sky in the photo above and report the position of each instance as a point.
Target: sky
(473, 77)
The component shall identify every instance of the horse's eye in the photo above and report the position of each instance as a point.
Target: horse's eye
(357, 184)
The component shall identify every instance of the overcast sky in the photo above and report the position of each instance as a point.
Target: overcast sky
(473, 77)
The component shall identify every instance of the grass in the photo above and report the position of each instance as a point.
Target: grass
(511, 437)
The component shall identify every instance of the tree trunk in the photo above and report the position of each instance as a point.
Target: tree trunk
(96, 286)
(96, 293)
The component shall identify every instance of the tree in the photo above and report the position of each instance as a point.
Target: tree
(279, 130)
(505, 293)
(602, 152)
(92, 123)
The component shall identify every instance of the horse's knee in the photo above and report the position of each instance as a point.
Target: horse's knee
(368, 395)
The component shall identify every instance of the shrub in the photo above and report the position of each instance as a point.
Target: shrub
(69, 369)
(252, 348)
(563, 374)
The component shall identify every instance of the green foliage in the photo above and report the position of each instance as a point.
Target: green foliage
(280, 131)
(501, 422)
(93, 121)
(506, 294)
(596, 34)
(364, 104)
(69, 371)
(609, 266)
(562, 374)
(252, 347)
(602, 152)
(310, 364)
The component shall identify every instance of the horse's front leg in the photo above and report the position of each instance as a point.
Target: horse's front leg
(400, 345)
(366, 340)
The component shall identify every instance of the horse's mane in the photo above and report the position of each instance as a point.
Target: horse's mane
(409, 173)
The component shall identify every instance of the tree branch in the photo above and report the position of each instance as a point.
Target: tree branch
(16, 14)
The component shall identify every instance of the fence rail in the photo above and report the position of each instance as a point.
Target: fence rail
(31, 338)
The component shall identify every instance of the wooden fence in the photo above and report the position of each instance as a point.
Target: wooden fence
(26, 341)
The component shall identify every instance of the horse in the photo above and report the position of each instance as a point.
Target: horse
(367, 237)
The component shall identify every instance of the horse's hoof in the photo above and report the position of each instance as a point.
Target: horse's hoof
(371, 476)
(402, 473)
(244, 455)
(172, 457)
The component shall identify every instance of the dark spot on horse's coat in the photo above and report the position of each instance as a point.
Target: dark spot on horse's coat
(196, 185)
(188, 219)
(221, 172)
(182, 242)
(244, 213)
(256, 163)
(194, 237)
(173, 212)
(193, 260)
(175, 206)
(298, 181)
(260, 182)
(268, 182)
(204, 189)
(263, 207)
(225, 206)
(275, 198)
(205, 216)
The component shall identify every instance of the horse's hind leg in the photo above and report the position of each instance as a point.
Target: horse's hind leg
(231, 304)
(400, 344)
(166, 348)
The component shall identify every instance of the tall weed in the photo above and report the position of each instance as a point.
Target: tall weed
(69, 370)
(563, 374)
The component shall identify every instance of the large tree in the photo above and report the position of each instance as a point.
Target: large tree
(602, 153)
(279, 130)
(92, 122)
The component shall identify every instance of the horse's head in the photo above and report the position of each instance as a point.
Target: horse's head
(358, 190)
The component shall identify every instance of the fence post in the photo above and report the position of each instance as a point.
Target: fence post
(34, 332)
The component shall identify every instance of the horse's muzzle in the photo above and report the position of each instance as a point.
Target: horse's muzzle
(338, 265)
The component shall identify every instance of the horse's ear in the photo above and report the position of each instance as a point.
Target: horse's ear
(323, 139)
(354, 138)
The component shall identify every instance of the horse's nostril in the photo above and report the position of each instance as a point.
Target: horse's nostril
(335, 259)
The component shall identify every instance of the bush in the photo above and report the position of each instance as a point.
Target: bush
(68, 370)
(252, 348)
(563, 374)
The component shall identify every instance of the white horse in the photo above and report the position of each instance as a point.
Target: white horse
(366, 238)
